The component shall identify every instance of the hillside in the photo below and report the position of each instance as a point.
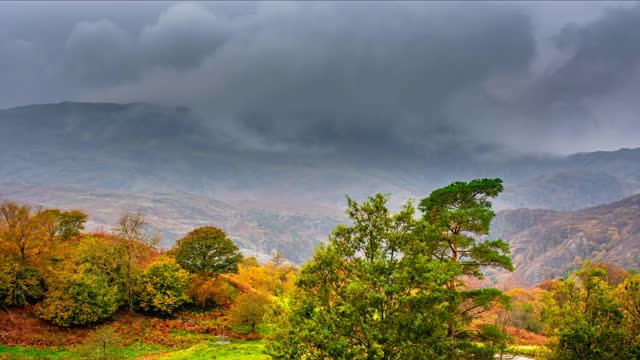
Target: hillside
(185, 171)
(546, 243)
(256, 227)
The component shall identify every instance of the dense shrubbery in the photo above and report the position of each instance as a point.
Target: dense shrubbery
(79, 295)
(78, 279)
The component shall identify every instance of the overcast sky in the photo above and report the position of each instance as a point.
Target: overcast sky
(417, 76)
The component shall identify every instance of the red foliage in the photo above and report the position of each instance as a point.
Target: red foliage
(22, 327)
(524, 337)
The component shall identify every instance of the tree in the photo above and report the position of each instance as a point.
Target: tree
(80, 294)
(133, 226)
(249, 309)
(136, 245)
(83, 286)
(28, 237)
(164, 287)
(28, 233)
(629, 294)
(373, 292)
(19, 284)
(207, 250)
(584, 318)
(207, 291)
(68, 223)
(454, 218)
(25, 233)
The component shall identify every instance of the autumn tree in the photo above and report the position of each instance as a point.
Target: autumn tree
(80, 294)
(19, 284)
(210, 291)
(136, 244)
(584, 318)
(67, 223)
(164, 287)
(454, 218)
(207, 250)
(28, 233)
(82, 287)
(373, 292)
(28, 236)
(249, 309)
(628, 293)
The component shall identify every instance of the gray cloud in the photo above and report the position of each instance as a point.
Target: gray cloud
(183, 35)
(415, 78)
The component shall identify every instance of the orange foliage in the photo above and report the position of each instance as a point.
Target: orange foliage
(210, 290)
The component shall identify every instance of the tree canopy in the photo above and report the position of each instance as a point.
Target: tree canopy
(207, 250)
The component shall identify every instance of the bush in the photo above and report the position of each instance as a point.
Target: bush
(19, 284)
(249, 309)
(79, 295)
(210, 291)
(164, 287)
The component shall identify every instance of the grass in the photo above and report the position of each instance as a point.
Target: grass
(22, 352)
(531, 351)
(250, 350)
(60, 353)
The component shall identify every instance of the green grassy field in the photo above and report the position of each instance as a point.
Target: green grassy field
(250, 350)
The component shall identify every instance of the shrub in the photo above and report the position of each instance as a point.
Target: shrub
(79, 295)
(164, 287)
(19, 284)
(210, 291)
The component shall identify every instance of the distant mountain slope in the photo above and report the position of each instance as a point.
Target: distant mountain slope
(169, 157)
(257, 228)
(142, 147)
(545, 243)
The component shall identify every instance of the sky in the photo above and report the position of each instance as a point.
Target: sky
(407, 77)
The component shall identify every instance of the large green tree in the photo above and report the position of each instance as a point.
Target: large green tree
(207, 250)
(454, 218)
(374, 292)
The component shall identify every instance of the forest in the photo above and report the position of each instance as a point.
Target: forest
(387, 285)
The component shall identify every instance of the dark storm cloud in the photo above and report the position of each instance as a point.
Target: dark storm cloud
(412, 78)
(590, 92)
(347, 75)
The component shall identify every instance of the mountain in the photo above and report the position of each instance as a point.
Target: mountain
(548, 244)
(180, 166)
(257, 227)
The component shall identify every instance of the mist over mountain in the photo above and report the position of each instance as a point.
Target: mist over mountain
(105, 157)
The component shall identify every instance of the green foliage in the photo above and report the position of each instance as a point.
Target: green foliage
(454, 218)
(69, 223)
(457, 215)
(585, 318)
(27, 238)
(207, 250)
(371, 293)
(79, 294)
(249, 309)
(164, 287)
(19, 284)
(493, 339)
